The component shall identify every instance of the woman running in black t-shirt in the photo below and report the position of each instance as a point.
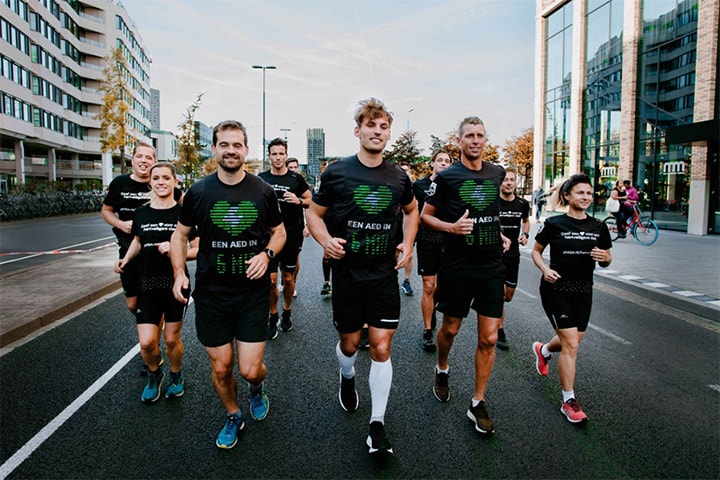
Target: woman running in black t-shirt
(577, 241)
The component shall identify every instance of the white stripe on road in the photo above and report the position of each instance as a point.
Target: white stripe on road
(610, 335)
(21, 455)
(715, 387)
(525, 293)
(61, 248)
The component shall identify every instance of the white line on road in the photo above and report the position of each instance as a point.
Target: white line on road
(715, 387)
(525, 293)
(61, 248)
(608, 334)
(21, 455)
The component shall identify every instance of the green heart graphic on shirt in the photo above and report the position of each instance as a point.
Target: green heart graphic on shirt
(478, 195)
(234, 219)
(372, 201)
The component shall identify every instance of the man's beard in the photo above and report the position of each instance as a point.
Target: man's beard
(228, 169)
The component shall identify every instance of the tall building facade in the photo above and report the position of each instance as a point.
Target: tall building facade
(315, 152)
(52, 58)
(628, 89)
(203, 136)
(154, 109)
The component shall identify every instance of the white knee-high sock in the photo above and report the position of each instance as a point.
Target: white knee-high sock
(346, 363)
(380, 381)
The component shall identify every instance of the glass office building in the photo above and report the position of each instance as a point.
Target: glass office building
(628, 90)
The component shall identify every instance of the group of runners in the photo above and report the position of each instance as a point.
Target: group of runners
(240, 228)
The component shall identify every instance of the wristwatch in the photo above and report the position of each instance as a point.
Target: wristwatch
(269, 253)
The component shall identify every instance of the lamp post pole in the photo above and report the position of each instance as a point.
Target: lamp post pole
(264, 141)
(285, 132)
(409, 117)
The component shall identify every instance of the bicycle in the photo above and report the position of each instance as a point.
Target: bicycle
(642, 228)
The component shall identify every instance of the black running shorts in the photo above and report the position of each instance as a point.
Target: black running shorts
(480, 288)
(375, 302)
(429, 257)
(512, 267)
(566, 310)
(154, 304)
(220, 319)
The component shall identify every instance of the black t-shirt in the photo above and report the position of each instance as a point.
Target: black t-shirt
(512, 215)
(233, 222)
(363, 206)
(153, 227)
(421, 189)
(290, 182)
(125, 195)
(571, 241)
(457, 189)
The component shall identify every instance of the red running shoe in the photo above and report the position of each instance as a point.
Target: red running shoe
(541, 363)
(572, 411)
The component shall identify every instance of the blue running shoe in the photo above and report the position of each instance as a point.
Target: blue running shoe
(406, 288)
(228, 436)
(177, 386)
(151, 392)
(259, 403)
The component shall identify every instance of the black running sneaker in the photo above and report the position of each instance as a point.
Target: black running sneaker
(364, 339)
(479, 416)
(377, 441)
(272, 331)
(441, 388)
(286, 322)
(428, 341)
(348, 395)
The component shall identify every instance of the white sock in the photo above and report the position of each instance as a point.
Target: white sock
(545, 352)
(347, 364)
(568, 395)
(380, 380)
(475, 402)
(438, 370)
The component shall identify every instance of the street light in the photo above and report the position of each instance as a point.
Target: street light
(409, 117)
(264, 143)
(285, 132)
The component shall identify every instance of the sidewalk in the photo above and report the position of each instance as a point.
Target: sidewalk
(680, 270)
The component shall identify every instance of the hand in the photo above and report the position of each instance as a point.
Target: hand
(257, 266)
(463, 226)
(523, 240)
(306, 232)
(402, 257)
(334, 248)
(599, 255)
(506, 243)
(290, 197)
(180, 287)
(119, 264)
(164, 248)
(551, 276)
(126, 226)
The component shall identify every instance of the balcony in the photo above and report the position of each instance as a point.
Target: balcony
(94, 43)
(91, 17)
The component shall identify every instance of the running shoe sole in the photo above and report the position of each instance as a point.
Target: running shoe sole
(228, 447)
(477, 425)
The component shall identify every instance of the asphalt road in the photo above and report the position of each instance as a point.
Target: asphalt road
(647, 377)
(32, 242)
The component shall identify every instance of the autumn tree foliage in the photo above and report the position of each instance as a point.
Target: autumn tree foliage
(518, 152)
(188, 160)
(491, 153)
(114, 127)
(405, 149)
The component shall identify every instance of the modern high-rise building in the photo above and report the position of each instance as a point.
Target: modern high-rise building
(52, 55)
(154, 109)
(628, 90)
(315, 151)
(203, 136)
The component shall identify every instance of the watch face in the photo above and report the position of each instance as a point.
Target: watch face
(270, 253)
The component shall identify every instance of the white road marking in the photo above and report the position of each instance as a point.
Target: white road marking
(715, 387)
(61, 248)
(608, 334)
(525, 293)
(21, 455)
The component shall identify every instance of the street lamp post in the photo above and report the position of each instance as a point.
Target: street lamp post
(264, 141)
(285, 132)
(409, 117)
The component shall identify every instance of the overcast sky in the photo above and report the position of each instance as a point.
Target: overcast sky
(443, 60)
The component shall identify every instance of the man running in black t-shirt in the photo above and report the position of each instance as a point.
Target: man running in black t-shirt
(238, 219)
(464, 204)
(293, 194)
(363, 195)
(515, 222)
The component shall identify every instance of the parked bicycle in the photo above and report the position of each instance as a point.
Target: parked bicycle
(641, 227)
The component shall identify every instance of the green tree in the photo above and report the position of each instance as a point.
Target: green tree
(405, 149)
(114, 128)
(188, 161)
(519, 153)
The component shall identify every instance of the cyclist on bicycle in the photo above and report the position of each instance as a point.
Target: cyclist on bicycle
(626, 210)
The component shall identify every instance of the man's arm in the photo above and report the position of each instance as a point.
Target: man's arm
(463, 225)
(108, 214)
(178, 256)
(333, 246)
(411, 220)
(258, 264)
(524, 231)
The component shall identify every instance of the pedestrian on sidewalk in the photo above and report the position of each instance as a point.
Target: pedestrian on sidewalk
(365, 194)
(577, 242)
(464, 204)
(152, 228)
(538, 200)
(239, 223)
